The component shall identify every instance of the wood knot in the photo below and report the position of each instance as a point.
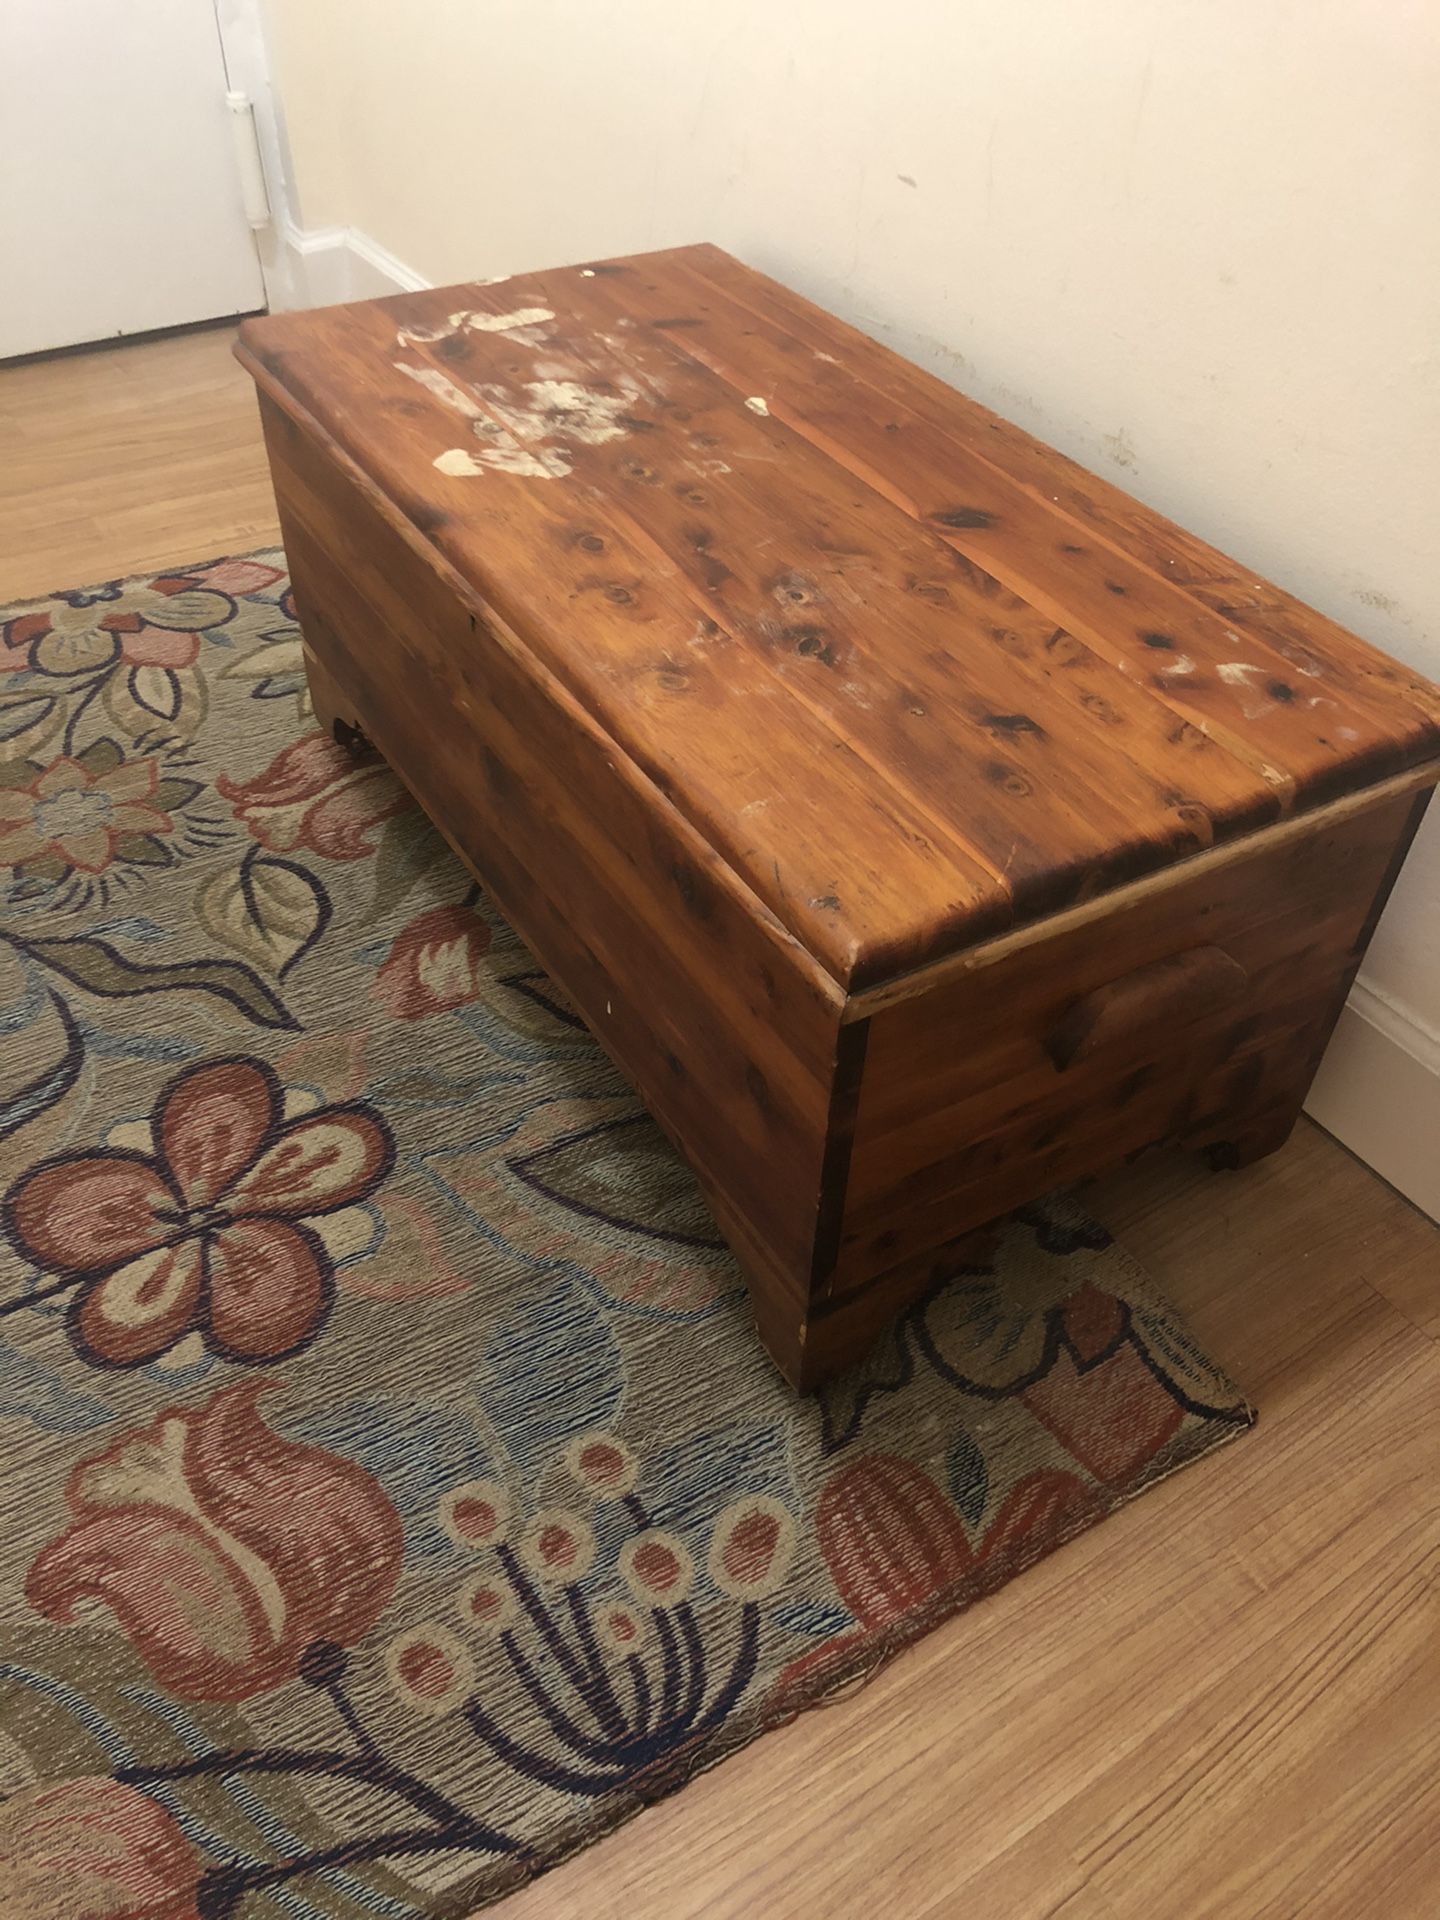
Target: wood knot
(964, 517)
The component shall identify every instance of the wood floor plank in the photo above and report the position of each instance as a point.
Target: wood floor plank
(1224, 1702)
(129, 459)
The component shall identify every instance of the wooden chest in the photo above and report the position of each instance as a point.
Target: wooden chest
(919, 822)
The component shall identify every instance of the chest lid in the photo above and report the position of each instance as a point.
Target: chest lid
(915, 676)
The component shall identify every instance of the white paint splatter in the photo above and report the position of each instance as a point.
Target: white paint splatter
(508, 430)
(1242, 675)
(577, 412)
(444, 389)
(541, 464)
(757, 405)
(1348, 733)
(587, 273)
(507, 322)
(1181, 664)
(520, 324)
(504, 454)
(425, 336)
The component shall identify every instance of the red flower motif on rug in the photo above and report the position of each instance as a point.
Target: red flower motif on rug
(889, 1537)
(94, 1849)
(892, 1543)
(209, 1232)
(314, 795)
(433, 964)
(158, 624)
(223, 1550)
(78, 810)
(1100, 1399)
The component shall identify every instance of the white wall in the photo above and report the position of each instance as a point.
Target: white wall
(1194, 243)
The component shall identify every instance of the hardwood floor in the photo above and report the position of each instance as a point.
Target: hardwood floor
(128, 459)
(1224, 1703)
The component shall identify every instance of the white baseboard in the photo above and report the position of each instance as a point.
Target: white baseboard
(1378, 1091)
(327, 265)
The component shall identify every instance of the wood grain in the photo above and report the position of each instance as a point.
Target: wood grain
(768, 548)
(1069, 496)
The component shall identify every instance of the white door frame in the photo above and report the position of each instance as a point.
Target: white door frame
(248, 70)
(301, 266)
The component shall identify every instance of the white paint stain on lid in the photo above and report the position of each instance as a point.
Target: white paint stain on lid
(518, 324)
(444, 389)
(587, 273)
(510, 432)
(426, 336)
(506, 322)
(575, 411)
(757, 405)
(542, 463)
(1251, 682)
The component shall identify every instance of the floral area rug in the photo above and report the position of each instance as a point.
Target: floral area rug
(396, 1494)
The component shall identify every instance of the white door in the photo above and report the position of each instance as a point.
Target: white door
(120, 199)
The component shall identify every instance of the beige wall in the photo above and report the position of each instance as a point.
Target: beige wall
(1195, 243)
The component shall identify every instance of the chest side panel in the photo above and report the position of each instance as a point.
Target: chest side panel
(1201, 1007)
(699, 996)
